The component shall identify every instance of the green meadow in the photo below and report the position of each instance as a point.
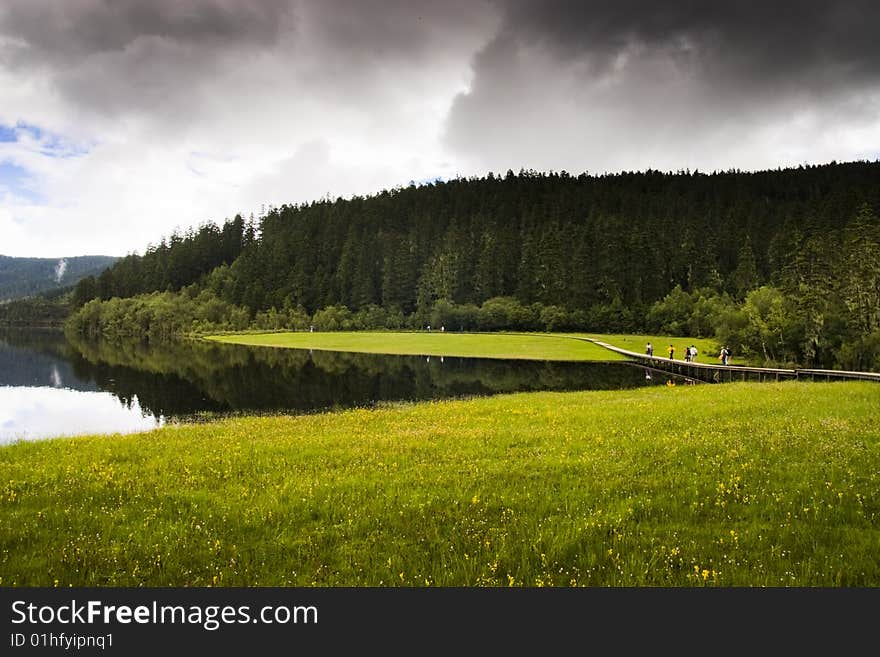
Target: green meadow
(726, 485)
(534, 346)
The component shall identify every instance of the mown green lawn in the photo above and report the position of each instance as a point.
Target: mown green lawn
(535, 346)
(725, 485)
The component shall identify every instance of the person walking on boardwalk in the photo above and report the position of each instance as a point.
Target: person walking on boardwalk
(671, 351)
(650, 349)
(693, 350)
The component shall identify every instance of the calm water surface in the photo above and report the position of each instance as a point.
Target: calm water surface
(51, 385)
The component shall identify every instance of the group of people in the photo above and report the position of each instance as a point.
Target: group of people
(690, 353)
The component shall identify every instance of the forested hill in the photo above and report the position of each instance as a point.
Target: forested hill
(24, 277)
(551, 238)
(611, 252)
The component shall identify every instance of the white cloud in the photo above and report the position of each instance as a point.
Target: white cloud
(182, 115)
(31, 413)
(180, 132)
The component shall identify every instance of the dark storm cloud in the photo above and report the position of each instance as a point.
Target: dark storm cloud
(110, 57)
(392, 28)
(79, 28)
(603, 83)
(753, 41)
(205, 108)
(160, 55)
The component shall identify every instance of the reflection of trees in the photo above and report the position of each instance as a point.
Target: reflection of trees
(45, 341)
(512, 376)
(37, 358)
(191, 377)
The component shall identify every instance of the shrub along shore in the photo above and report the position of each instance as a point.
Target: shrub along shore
(733, 485)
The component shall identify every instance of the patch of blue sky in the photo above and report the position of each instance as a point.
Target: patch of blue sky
(48, 143)
(35, 131)
(18, 182)
(426, 181)
(60, 147)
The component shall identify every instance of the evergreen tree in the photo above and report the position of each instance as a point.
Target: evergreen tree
(860, 273)
(745, 277)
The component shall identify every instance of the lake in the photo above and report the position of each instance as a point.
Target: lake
(52, 385)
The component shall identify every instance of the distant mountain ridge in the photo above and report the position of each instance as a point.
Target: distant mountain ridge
(25, 277)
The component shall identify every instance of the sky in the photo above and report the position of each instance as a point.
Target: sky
(123, 121)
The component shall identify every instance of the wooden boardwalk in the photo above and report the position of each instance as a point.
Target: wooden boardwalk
(709, 373)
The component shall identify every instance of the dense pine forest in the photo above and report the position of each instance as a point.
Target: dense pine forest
(782, 265)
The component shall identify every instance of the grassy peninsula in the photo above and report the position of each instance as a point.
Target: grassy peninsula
(535, 346)
(734, 485)
(530, 346)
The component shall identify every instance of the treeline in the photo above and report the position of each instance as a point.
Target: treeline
(594, 253)
(35, 312)
(166, 315)
(824, 309)
(172, 264)
(553, 239)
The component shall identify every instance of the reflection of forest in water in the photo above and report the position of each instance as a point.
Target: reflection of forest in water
(186, 378)
(38, 358)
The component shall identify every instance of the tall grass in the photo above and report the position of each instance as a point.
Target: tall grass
(734, 485)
